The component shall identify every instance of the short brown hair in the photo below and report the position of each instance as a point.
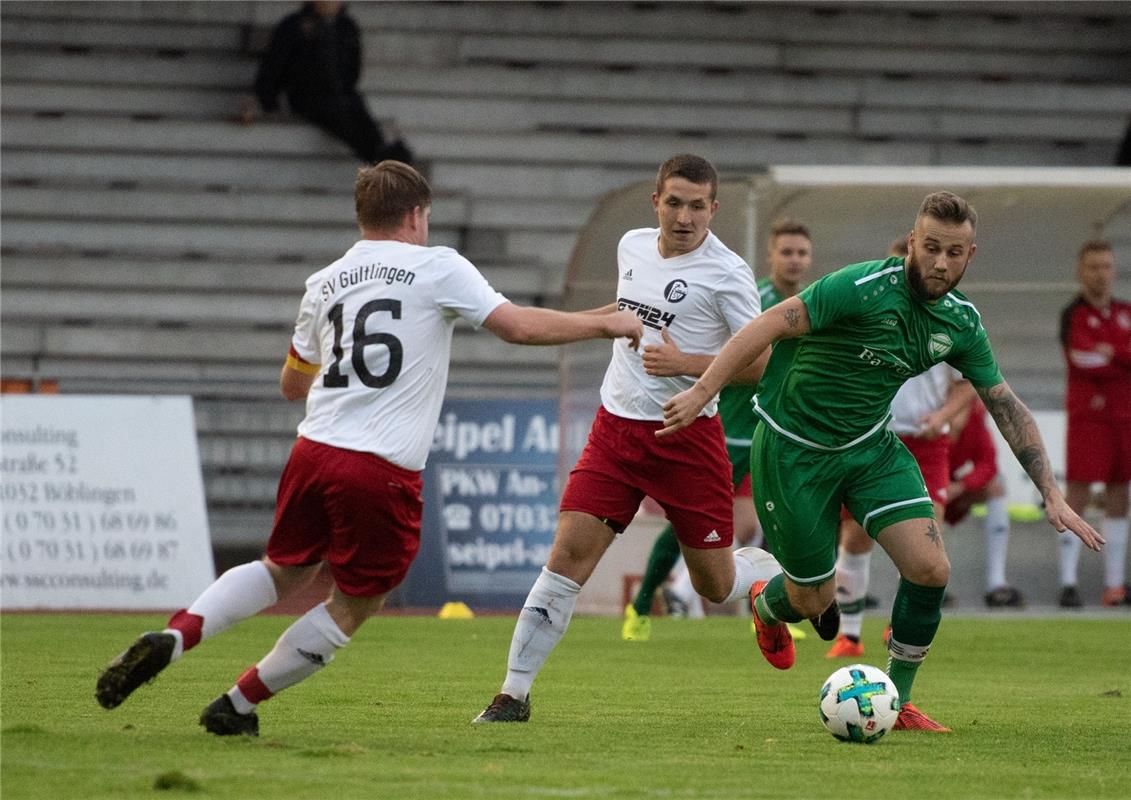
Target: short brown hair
(692, 168)
(1094, 246)
(784, 226)
(948, 207)
(387, 191)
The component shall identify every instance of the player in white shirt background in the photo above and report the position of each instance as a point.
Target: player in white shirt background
(370, 355)
(680, 278)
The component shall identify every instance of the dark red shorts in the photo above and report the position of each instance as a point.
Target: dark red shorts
(355, 511)
(687, 474)
(745, 488)
(1098, 451)
(933, 457)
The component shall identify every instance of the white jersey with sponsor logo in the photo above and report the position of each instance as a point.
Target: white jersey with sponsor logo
(702, 297)
(379, 323)
(919, 396)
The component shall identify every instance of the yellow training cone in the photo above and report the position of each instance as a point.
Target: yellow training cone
(455, 611)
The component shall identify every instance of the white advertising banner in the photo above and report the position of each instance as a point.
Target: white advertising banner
(102, 503)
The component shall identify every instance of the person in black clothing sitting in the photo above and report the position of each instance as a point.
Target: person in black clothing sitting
(315, 59)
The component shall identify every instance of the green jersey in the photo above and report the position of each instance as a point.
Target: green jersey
(833, 389)
(736, 400)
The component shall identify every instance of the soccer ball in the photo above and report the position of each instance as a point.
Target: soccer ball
(859, 704)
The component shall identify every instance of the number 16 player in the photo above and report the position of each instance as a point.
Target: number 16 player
(370, 354)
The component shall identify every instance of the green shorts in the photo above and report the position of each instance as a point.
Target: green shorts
(739, 461)
(799, 493)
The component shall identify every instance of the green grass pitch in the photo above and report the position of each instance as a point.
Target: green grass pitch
(1041, 709)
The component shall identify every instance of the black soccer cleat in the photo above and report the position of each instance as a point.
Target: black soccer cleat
(1005, 597)
(827, 623)
(221, 718)
(505, 708)
(1070, 598)
(140, 664)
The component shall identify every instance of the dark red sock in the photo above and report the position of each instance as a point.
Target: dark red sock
(190, 626)
(252, 688)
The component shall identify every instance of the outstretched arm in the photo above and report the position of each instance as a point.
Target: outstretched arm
(531, 325)
(1020, 431)
(783, 321)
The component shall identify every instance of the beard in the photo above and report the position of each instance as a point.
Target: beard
(919, 286)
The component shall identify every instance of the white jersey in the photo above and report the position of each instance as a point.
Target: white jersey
(379, 323)
(702, 297)
(919, 396)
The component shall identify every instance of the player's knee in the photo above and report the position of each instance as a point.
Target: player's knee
(710, 587)
(931, 573)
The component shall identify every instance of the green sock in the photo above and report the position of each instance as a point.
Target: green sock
(915, 618)
(773, 603)
(665, 552)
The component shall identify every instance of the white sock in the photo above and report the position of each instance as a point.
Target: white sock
(541, 624)
(1115, 551)
(305, 647)
(1069, 557)
(997, 542)
(683, 589)
(239, 593)
(745, 574)
(853, 571)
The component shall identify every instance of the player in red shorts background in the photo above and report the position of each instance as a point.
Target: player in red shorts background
(974, 478)
(1095, 332)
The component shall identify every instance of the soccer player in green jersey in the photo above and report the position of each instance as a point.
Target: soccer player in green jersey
(859, 333)
(789, 256)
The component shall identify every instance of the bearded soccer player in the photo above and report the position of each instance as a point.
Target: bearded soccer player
(823, 442)
(370, 355)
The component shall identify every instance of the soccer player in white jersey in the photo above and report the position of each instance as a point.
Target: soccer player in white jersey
(680, 279)
(370, 355)
(861, 332)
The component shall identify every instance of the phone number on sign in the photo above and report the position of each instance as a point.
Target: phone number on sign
(67, 551)
(64, 522)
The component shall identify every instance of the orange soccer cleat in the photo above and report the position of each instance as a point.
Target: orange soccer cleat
(844, 647)
(774, 641)
(912, 719)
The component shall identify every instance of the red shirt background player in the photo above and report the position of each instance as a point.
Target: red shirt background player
(1095, 331)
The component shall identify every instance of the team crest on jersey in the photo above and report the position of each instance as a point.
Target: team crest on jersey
(675, 291)
(939, 345)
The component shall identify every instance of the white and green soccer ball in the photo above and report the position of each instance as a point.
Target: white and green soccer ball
(859, 704)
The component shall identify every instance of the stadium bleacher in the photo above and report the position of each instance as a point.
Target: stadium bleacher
(152, 244)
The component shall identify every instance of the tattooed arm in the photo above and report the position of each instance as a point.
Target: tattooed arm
(784, 321)
(1020, 431)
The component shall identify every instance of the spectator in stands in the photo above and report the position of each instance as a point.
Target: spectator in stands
(370, 356)
(315, 59)
(1095, 332)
